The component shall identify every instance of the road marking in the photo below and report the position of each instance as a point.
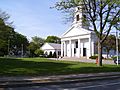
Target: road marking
(101, 85)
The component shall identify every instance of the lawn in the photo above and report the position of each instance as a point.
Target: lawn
(42, 66)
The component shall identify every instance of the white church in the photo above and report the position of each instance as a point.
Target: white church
(78, 41)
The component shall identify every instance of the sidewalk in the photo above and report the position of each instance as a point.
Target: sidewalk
(57, 79)
(84, 60)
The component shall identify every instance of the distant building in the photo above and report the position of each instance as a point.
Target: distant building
(51, 47)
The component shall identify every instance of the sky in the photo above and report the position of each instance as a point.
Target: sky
(34, 17)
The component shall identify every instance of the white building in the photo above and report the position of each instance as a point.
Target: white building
(78, 40)
(51, 47)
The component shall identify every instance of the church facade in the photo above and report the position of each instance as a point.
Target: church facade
(78, 41)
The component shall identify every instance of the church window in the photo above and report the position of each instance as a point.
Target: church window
(74, 50)
(76, 43)
(77, 17)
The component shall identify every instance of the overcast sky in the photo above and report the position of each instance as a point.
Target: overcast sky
(34, 17)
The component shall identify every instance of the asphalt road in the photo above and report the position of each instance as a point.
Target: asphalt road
(93, 85)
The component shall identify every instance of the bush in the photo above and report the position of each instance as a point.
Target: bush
(50, 55)
(39, 52)
(94, 57)
(54, 55)
(115, 57)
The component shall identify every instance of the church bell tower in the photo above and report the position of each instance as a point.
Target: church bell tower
(80, 19)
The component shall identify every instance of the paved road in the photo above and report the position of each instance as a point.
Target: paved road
(94, 85)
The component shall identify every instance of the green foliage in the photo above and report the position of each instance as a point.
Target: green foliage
(35, 44)
(53, 39)
(93, 57)
(9, 38)
(50, 55)
(115, 57)
(39, 52)
(38, 41)
(54, 55)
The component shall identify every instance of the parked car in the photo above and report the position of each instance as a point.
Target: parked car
(115, 61)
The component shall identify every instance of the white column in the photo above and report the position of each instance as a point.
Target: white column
(79, 48)
(70, 43)
(65, 49)
(93, 48)
(62, 49)
(82, 49)
(90, 47)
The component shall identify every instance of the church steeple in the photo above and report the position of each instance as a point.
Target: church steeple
(78, 18)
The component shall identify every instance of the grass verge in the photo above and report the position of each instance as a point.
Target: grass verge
(43, 66)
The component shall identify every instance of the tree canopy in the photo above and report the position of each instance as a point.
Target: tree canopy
(53, 39)
(9, 39)
(102, 15)
(35, 45)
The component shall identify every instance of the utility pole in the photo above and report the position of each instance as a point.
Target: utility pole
(8, 46)
(117, 52)
(21, 50)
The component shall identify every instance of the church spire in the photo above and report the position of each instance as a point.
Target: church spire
(80, 18)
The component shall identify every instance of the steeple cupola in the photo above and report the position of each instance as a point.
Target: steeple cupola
(80, 18)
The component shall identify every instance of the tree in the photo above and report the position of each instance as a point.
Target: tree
(18, 42)
(32, 47)
(35, 44)
(38, 41)
(39, 52)
(4, 33)
(109, 44)
(53, 39)
(101, 14)
(9, 39)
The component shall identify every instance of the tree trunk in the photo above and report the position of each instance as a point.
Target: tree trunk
(99, 54)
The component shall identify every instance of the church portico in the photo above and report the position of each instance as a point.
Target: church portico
(76, 47)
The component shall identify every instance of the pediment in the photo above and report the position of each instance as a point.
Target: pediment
(46, 46)
(75, 31)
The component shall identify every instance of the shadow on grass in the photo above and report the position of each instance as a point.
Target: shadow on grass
(94, 69)
(10, 67)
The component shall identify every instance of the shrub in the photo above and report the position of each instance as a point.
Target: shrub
(50, 55)
(94, 57)
(115, 57)
(54, 55)
(39, 52)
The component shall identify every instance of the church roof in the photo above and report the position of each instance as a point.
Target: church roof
(51, 46)
(55, 46)
(75, 31)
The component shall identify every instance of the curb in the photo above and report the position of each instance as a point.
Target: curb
(55, 81)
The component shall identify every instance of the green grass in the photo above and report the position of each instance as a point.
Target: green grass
(42, 66)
